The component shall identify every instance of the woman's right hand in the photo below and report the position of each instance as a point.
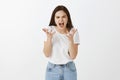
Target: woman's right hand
(48, 43)
(49, 33)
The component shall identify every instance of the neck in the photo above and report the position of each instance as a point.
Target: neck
(62, 31)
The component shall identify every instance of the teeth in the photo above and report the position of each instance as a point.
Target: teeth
(61, 24)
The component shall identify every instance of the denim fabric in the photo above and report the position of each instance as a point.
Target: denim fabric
(61, 72)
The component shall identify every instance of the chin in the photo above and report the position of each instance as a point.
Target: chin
(61, 27)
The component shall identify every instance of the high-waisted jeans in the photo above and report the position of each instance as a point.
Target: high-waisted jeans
(61, 72)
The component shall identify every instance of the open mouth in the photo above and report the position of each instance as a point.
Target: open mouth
(61, 24)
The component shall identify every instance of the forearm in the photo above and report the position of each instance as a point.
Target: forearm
(73, 49)
(47, 47)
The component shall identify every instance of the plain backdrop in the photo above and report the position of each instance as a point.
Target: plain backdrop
(21, 38)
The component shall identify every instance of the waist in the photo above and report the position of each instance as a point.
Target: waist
(67, 64)
(59, 60)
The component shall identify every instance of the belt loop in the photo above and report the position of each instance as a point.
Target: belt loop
(53, 65)
(67, 64)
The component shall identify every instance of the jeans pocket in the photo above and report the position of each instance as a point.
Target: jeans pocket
(50, 67)
(71, 66)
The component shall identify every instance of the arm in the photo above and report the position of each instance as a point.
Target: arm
(48, 43)
(73, 49)
(47, 47)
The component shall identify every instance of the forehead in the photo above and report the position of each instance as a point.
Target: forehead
(60, 13)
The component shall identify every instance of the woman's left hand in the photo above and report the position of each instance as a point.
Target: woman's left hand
(71, 34)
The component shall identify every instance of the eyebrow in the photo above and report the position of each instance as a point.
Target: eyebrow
(62, 16)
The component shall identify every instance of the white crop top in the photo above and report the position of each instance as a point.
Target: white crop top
(60, 45)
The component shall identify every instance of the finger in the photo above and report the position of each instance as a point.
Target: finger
(67, 32)
(53, 32)
(69, 35)
(45, 30)
(73, 31)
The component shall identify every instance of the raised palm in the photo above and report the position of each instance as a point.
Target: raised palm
(48, 32)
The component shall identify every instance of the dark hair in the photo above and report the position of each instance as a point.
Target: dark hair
(63, 8)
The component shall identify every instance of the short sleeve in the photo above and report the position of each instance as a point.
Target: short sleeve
(76, 38)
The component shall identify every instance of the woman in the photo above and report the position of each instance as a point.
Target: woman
(61, 46)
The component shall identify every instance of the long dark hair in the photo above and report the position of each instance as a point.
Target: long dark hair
(58, 8)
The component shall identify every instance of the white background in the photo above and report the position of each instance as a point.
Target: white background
(21, 40)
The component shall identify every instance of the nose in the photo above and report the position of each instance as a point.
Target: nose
(61, 19)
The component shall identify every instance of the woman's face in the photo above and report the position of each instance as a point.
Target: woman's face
(61, 19)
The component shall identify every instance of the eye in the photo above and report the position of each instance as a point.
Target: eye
(64, 16)
(57, 17)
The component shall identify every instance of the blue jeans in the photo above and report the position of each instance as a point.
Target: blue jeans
(61, 72)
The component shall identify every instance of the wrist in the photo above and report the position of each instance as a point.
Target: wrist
(71, 41)
(49, 39)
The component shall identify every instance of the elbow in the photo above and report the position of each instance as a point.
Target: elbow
(46, 53)
(73, 57)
